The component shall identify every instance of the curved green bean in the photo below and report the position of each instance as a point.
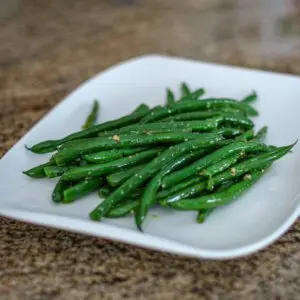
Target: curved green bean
(52, 145)
(191, 105)
(123, 209)
(38, 171)
(221, 198)
(196, 167)
(204, 141)
(250, 98)
(124, 141)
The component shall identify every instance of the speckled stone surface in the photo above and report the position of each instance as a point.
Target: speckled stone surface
(47, 48)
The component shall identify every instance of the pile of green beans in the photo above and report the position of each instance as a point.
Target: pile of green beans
(190, 154)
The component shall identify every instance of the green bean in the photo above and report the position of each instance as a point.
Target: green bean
(56, 171)
(250, 98)
(194, 116)
(81, 189)
(115, 179)
(52, 145)
(246, 136)
(170, 97)
(191, 105)
(105, 168)
(38, 171)
(92, 117)
(203, 214)
(196, 167)
(124, 141)
(58, 192)
(204, 141)
(198, 93)
(123, 209)
(185, 90)
(149, 195)
(178, 187)
(109, 155)
(261, 134)
(149, 128)
(142, 108)
(221, 198)
(220, 166)
(257, 162)
(104, 191)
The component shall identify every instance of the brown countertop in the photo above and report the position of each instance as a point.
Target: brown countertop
(47, 48)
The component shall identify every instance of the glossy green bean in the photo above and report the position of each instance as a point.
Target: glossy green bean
(246, 136)
(52, 145)
(58, 192)
(220, 167)
(123, 141)
(149, 195)
(259, 161)
(250, 98)
(56, 171)
(38, 171)
(152, 168)
(220, 154)
(92, 117)
(123, 209)
(203, 214)
(221, 198)
(149, 129)
(109, 155)
(191, 105)
(104, 191)
(117, 178)
(170, 97)
(81, 189)
(112, 166)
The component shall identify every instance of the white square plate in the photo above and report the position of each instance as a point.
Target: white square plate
(245, 226)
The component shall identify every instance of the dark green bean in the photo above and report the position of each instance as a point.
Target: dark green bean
(112, 166)
(123, 209)
(92, 117)
(203, 214)
(246, 136)
(149, 195)
(81, 189)
(191, 105)
(38, 171)
(170, 97)
(58, 192)
(204, 141)
(115, 179)
(221, 198)
(124, 141)
(250, 98)
(259, 161)
(149, 129)
(220, 154)
(56, 171)
(109, 155)
(104, 192)
(52, 145)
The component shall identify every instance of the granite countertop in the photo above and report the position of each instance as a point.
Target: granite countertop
(47, 48)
